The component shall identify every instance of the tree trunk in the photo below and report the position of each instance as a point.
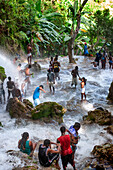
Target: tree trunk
(74, 33)
(70, 51)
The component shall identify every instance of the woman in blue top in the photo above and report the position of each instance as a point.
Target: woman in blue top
(85, 49)
(25, 145)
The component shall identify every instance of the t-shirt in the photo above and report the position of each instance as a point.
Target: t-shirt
(56, 65)
(65, 145)
(36, 93)
(73, 131)
(50, 77)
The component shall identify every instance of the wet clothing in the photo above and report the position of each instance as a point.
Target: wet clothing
(103, 61)
(65, 145)
(67, 159)
(85, 50)
(50, 77)
(66, 151)
(56, 66)
(73, 131)
(110, 60)
(27, 148)
(44, 159)
(36, 102)
(36, 93)
(74, 77)
(98, 57)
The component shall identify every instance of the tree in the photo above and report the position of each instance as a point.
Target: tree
(74, 31)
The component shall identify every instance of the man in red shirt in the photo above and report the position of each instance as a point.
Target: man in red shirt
(66, 152)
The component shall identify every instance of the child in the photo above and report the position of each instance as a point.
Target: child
(25, 145)
(83, 83)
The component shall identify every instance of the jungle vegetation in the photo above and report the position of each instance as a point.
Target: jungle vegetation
(56, 26)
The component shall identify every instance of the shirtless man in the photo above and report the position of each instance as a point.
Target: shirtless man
(26, 80)
(10, 86)
(29, 55)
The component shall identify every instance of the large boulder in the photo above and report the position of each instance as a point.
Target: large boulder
(2, 73)
(99, 116)
(104, 152)
(35, 67)
(109, 129)
(16, 108)
(110, 95)
(49, 111)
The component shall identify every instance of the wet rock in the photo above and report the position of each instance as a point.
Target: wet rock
(1, 124)
(104, 153)
(28, 104)
(49, 111)
(16, 108)
(99, 116)
(35, 67)
(2, 73)
(109, 129)
(110, 95)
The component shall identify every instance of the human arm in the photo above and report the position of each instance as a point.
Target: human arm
(19, 144)
(43, 90)
(54, 151)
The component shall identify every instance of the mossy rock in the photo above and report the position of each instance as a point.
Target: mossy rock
(2, 73)
(1, 124)
(99, 116)
(104, 152)
(50, 110)
(110, 95)
(16, 108)
(28, 104)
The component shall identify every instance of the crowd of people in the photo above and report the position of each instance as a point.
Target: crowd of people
(66, 146)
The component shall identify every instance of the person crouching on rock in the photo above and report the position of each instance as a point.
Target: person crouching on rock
(36, 95)
(25, 145)
(47, 155)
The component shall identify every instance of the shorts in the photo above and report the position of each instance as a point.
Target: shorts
(36, 102)
(57, 75)
(74, 80)
(83, 90)
(67, 159)
(29, 54)
(51, 84)
(52, 157)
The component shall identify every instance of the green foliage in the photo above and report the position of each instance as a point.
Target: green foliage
(2, 73)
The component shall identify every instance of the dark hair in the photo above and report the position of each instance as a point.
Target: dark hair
(41, 86)
(25, 135)
(46, 142)
(49, 70)
(62, 129)
(29, 66)
(84, 80)
(77, 125)
(51, 58)
(9, 78)
(76, 68)
(19, 65)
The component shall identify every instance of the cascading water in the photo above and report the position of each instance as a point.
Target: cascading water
(98, 82)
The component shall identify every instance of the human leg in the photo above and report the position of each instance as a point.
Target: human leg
(8, 94)
(36, 102)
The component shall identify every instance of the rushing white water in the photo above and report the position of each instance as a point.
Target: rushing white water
(98, 83)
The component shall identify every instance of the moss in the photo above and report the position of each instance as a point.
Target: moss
(48, 109)
(2, 73)
(1, 124)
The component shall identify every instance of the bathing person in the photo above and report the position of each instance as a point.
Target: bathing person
(25, 145)
(51, 64)
(73, 131)
(56, 68)
(98, 57)
(2, 92)
(36, 95)
(51, 80)
(103, 60)
(74, 76)
(10, 86)
(29, 55)
(66, 151)
(110, 61)
(47, 155)
(83, 84)
(27, 75)
(85, 49)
